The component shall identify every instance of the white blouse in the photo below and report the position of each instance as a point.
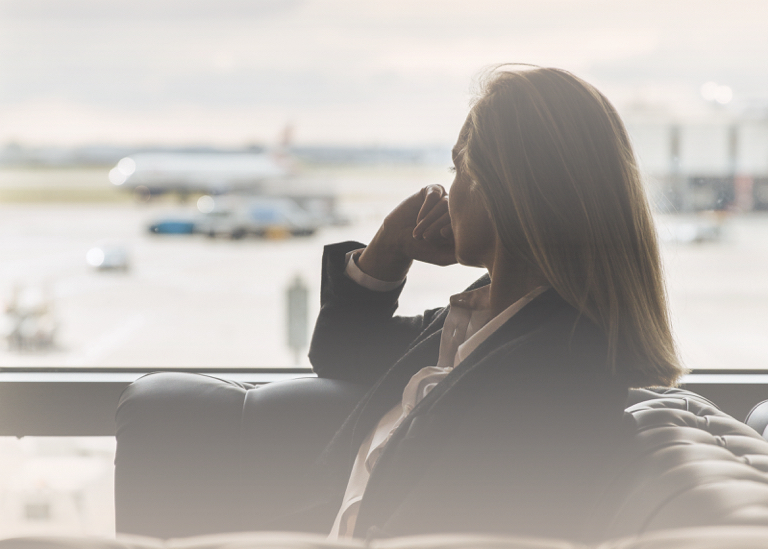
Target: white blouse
(467, 325)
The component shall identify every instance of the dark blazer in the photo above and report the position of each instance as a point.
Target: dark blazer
(517, 439)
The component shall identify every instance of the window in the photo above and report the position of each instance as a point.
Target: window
(170, 170)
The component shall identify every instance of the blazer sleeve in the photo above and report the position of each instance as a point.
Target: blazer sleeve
(357, 336)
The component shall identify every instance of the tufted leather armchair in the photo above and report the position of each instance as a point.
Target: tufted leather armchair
(689, 465)
(686, 465)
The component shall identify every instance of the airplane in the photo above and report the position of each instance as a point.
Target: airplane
(210, 172)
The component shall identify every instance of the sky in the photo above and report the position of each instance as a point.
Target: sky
(351, 72)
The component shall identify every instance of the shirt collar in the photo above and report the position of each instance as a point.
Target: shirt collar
(481, 324)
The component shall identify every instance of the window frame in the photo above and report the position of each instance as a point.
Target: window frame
(82, 401)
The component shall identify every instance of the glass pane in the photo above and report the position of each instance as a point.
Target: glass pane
(169, 170)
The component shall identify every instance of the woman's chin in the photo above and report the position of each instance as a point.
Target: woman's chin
(468, 260)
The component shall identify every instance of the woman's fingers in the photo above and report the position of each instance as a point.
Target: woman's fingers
(431, 239)
(432, 195)
(417, 229)
(433, 211)
(434, 232)
(435, 241)
(435, 216)
(437, 250)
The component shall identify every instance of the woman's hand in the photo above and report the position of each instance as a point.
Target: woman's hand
(418, 229)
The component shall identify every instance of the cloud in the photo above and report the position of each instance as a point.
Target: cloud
(310, 60)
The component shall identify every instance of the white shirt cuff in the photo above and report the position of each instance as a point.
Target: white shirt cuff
(365, 280)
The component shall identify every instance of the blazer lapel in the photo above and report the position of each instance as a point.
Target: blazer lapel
(389, 389)
(527, 320)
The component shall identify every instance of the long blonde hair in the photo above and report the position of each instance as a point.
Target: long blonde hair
(559, 177)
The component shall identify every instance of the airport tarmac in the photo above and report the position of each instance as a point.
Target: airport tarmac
(191, 301)
(186, 301)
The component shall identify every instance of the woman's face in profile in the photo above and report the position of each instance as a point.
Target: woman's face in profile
(473, 232)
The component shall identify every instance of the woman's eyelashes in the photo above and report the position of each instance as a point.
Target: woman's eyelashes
(452, 169)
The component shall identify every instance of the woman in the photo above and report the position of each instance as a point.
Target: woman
(503, 412)
(547, 198)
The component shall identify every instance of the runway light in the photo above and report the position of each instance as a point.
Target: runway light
(95, 257)
(205, 204)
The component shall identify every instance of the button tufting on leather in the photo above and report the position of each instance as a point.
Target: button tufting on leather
(691, 465)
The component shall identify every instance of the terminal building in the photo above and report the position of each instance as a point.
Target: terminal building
(716, 161)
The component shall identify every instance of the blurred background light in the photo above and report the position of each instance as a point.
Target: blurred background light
(205, 204)
(724, 95)
(719, 93)
(95, 257)
(709, 90)
(116, 176)
(126, 166)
